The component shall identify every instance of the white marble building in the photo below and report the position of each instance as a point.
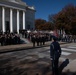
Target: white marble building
(16, 15)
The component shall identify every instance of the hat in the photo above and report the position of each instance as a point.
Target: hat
(54, 38)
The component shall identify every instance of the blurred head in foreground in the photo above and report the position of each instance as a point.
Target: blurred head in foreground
(54, 38)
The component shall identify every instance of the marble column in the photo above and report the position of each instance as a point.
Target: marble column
(3, 19)
(11, 21)
(23, 20)
(18, 21)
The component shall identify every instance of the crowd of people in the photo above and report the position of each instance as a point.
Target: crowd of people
(36, 38)
(9, 39)
(68, 38)
(39, 39)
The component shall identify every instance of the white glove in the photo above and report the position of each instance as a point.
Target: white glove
(51, 59)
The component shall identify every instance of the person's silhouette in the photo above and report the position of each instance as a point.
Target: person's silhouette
(55, 52)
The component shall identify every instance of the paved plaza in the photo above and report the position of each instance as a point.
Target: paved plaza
(34, 61)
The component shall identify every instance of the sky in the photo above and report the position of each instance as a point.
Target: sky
(46, 7)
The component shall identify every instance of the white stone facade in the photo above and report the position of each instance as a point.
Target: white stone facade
(15, 15)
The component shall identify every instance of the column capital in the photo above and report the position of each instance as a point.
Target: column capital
(24, 11)
(18, 10)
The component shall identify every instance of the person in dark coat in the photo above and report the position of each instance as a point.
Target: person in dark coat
(55, 52)
(37, 40)
(2, 40)
(40, 40)
(33, 39)
(43, 39)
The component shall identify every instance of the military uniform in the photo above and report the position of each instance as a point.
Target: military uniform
(55, 52)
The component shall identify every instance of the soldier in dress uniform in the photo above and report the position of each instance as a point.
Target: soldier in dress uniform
(55, 52)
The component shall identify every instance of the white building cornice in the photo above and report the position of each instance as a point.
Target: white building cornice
(15, 2)
(12, 5)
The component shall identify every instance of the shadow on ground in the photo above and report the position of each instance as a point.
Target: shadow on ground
(69, 73)
(28, 66)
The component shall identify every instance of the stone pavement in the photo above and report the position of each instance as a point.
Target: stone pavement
(18, 47)
(71, 67)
